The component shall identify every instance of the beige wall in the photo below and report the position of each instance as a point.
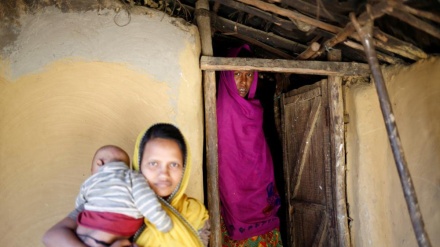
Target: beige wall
(72, 82)
(377, 205)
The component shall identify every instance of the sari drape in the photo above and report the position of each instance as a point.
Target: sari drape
(247, 188)
(188, 214)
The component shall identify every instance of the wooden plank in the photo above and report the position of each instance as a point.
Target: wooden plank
(209, 86)
(314, 10)
(380, 56)
(415, 22)
(290, 14)
(310, 94)
(306, 162)
(285, 66)
(321, 235)
(336, 108)
(328, 171)
(285, 24)
(302, 206)
(397, 46)
(286, 169)
(341, 34)
(420, 13)
(305, 145)
(304, 89)
(233, 28)
(239, 30)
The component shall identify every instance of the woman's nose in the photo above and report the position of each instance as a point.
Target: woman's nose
(164, 171)
(242, 80)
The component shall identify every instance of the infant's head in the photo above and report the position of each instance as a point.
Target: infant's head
(109, 153)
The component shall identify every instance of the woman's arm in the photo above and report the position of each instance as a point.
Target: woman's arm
(63, 234)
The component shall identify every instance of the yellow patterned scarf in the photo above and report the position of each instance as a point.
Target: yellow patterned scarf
(188, 214)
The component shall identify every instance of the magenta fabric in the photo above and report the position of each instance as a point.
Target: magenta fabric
(248, 194)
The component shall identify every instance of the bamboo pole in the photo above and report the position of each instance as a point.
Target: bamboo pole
(393, 135)
(415, 22)
(209, 86)
(398, 46)
(420, 13)
(312, 49)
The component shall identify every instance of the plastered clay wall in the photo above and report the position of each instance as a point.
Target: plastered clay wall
(376, 201)
(71, 82)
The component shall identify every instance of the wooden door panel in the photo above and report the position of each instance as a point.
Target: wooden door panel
(307, 166)
(307, 232)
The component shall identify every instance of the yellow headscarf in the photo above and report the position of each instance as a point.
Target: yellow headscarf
(188, 214)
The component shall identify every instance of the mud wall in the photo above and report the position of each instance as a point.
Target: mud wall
(376, 201)
(72, 81)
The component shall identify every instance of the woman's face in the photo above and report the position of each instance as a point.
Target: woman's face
(162, 165)
(243, 80)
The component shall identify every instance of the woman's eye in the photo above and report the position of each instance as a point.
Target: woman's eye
(237, 73)
(249, 74)
(174, 165)
(153, 163)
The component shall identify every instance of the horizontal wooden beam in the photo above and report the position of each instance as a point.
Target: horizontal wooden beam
(285, 66)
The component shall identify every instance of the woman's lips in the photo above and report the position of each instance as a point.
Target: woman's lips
(163, 184)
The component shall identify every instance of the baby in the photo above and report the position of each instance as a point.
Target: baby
(113, 201)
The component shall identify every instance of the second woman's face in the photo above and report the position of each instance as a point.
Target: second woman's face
(162, 165)
(243, 80)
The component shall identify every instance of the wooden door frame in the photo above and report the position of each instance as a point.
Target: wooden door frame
(270, 65)
(337, 135)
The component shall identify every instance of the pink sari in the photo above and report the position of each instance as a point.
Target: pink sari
(248, 194)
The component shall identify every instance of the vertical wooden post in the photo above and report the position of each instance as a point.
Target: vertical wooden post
(209, 87)
(338, 153)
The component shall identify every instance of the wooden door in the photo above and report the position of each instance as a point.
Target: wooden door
(309, 170)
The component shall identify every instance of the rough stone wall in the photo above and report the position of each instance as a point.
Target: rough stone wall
(376, 201)
(74, 80)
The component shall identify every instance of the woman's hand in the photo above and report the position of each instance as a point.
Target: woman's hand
(123, 243)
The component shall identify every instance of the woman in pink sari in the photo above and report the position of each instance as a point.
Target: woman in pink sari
(249, 199)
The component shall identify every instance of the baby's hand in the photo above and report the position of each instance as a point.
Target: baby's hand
(123, 243)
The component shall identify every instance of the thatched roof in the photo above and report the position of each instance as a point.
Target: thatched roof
(404, 32)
